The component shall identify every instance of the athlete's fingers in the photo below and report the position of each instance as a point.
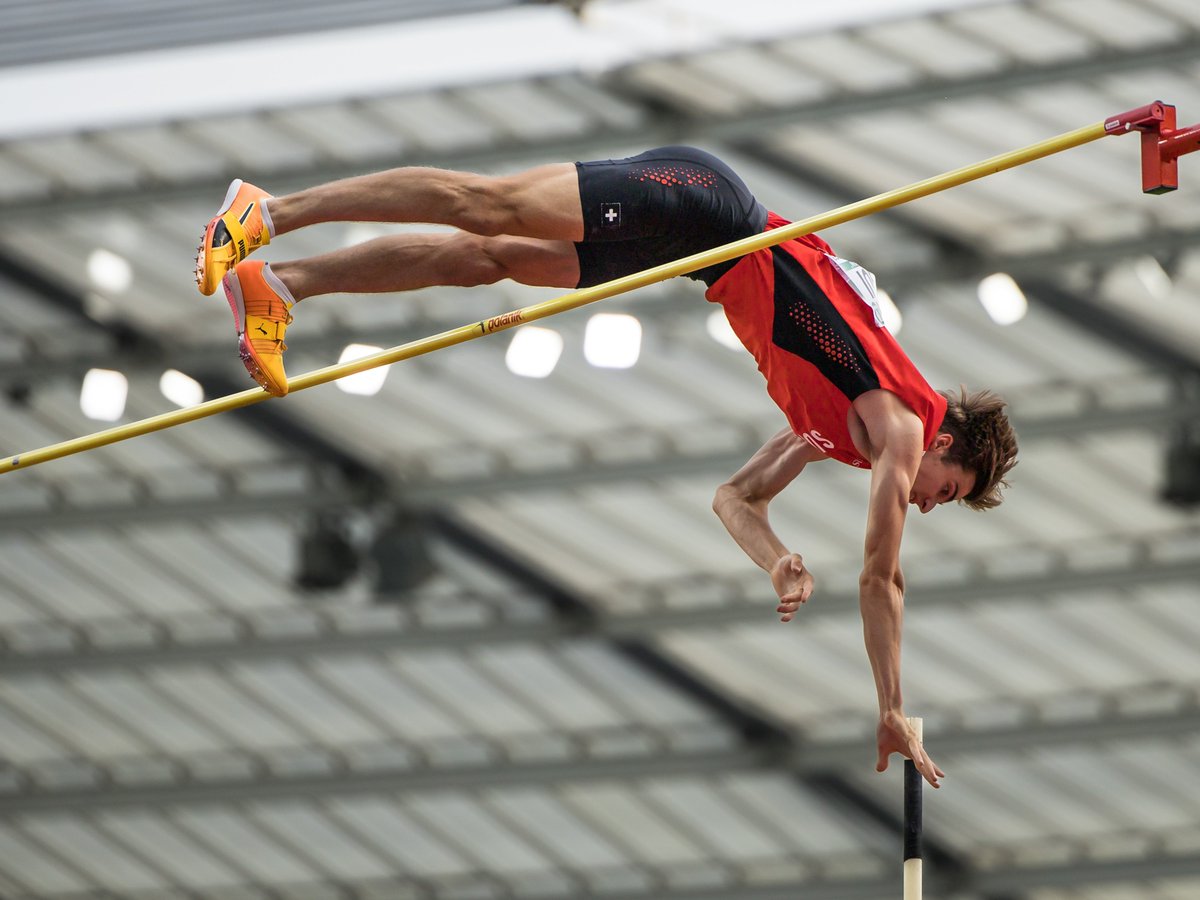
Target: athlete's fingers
(924, 764)
(929, 770)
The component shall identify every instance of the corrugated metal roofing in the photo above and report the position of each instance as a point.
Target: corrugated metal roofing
(589, 696)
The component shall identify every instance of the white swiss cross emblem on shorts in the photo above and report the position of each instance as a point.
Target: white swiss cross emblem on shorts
(610, 215)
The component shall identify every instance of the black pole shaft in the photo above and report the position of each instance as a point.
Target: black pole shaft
(912, 811)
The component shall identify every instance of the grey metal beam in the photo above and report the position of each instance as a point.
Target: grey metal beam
(264, 785)
(662, 126)
(806, 889)
(1094, 420)
(132, 352)
(305, 634)
(977, 590)
(200, 357)
(932, 91)
(1157, 867)
(1161, 869)
(1162, 243)
(951, 742)
(148, 509)
(38, 33)
(323, 492)
(806, 759)
(1030, 268)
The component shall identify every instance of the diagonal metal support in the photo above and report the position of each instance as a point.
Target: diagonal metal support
(762, 734)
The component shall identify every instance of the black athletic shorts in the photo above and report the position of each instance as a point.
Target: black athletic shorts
(657, 207)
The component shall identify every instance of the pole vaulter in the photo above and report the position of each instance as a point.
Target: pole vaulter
(1162, 145)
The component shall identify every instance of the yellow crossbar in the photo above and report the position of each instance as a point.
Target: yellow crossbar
(570, 301)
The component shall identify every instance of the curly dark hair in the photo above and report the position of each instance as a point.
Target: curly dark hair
(984, 443)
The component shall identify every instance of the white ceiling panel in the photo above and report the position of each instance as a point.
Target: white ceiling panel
(1117, 23)
(328, 846)
(99, 857)
(40, 871)
(480, 832)
(767, 77)
(216, 700)
(23, 742)
(933, 48)
(234, 837)
(178, 854)
(1022, 32)
(164, 725)
(850, 61)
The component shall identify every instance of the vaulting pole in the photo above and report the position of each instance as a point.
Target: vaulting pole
(912, 822)
(1134, 119)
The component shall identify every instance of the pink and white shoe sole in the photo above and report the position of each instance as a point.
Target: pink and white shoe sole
(237, 305)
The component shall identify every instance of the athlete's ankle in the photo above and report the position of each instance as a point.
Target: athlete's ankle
(281, 282)
(265, 212)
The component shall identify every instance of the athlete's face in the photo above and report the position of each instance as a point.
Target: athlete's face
(939, 481)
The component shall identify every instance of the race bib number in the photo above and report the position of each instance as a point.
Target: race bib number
(818, 440)
(863, 282)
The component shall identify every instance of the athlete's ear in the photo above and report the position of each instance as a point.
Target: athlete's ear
(943, 441)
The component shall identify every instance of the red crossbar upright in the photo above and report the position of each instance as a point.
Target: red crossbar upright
(1162, 143)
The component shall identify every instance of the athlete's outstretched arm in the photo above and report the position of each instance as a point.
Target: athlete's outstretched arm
(896, 437)
(741, 504)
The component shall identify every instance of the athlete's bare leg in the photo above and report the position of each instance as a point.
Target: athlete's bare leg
(405, 262)
(540, 203)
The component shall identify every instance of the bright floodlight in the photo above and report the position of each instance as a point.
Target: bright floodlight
(892, 317)
(180, 389)
(1003, 299)
(103, 395)
(612, 341)
(721, 331)
(533, 351)
(108, 271)
(367, 383)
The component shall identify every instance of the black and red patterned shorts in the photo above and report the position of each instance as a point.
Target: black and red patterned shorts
(657, 207)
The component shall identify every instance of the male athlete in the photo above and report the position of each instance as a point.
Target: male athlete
(846, 388)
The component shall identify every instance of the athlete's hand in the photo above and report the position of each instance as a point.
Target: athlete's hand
(895, 735)
(793, 583)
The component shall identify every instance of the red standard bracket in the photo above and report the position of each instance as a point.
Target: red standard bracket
(1162, 143)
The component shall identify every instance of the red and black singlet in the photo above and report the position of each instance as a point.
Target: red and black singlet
(818, 342)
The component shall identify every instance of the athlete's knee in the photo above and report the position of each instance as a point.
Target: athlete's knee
(483, 205)
(478, 260)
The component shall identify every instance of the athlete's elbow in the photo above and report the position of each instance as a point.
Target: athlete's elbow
(730, 497)
(880, 580)
(722, 499)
